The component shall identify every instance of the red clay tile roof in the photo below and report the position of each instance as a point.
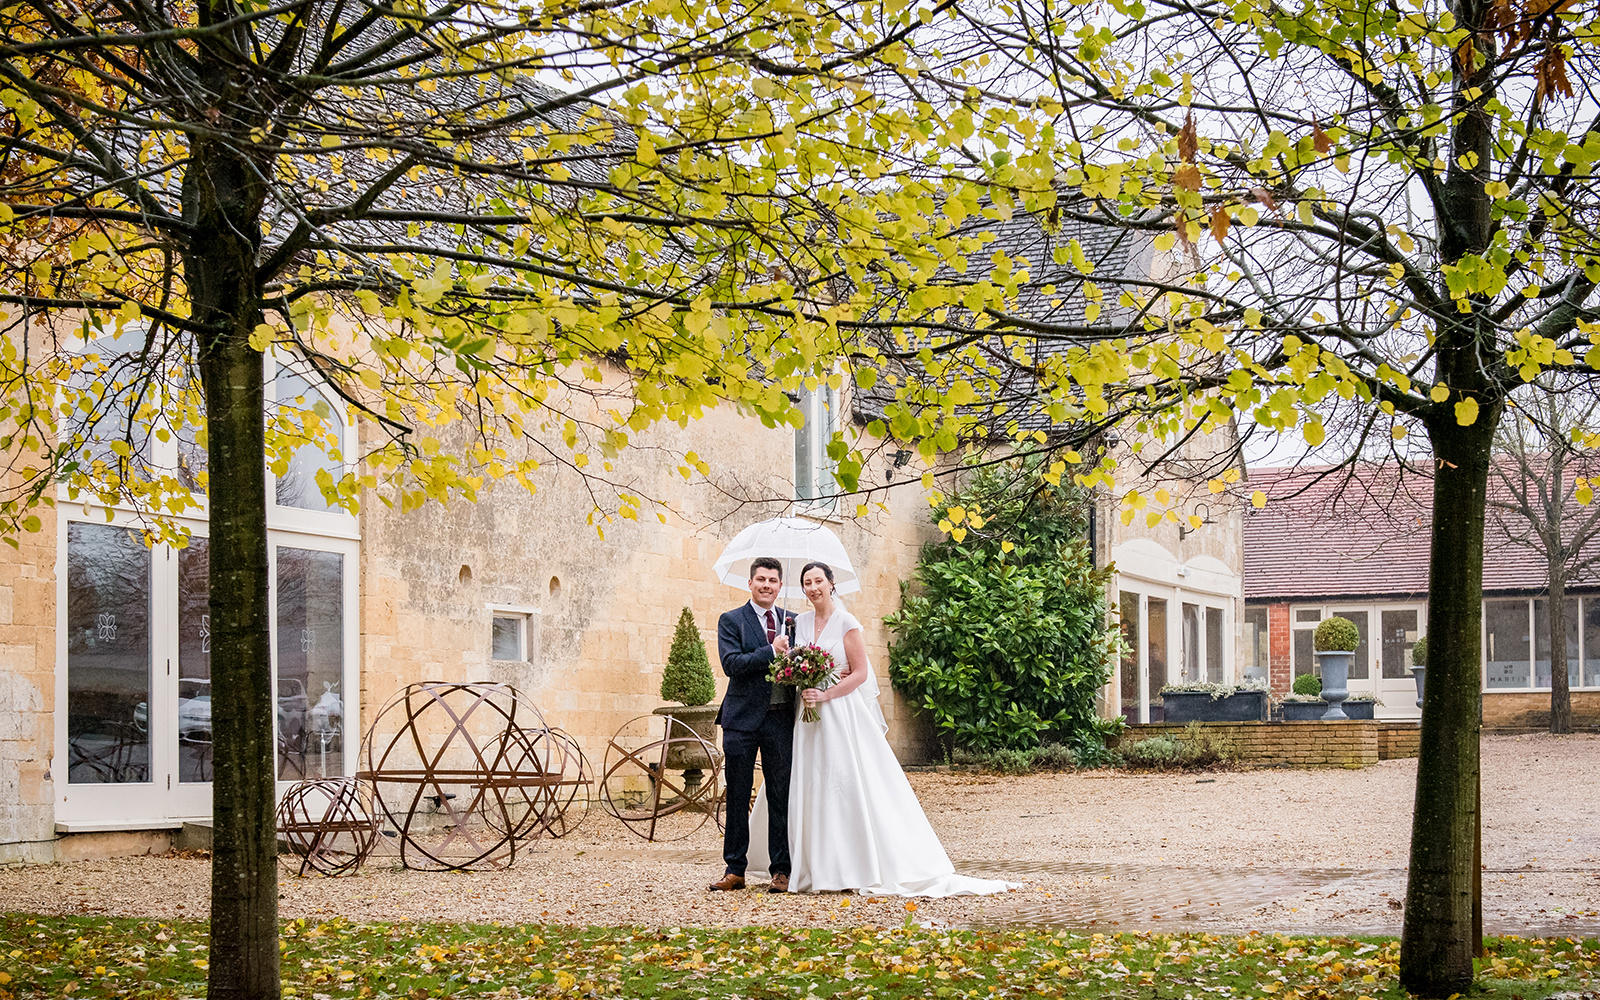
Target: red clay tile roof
(1345, 533)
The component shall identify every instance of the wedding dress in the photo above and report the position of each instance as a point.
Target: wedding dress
(854, 822)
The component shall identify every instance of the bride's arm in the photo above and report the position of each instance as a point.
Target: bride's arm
(855, 674)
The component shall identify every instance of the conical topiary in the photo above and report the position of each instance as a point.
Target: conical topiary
(688, 675)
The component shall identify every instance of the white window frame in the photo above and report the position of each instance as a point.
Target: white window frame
(335, 523)
(527, 640)
(162, 801)
(812, 465)
(1533, 645)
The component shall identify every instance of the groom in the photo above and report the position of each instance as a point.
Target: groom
(756, 716)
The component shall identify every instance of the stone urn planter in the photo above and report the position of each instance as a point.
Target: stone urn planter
(1335, 643)
(1245, 705)
(700, 718)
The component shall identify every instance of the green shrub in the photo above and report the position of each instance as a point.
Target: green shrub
(688, 678)
(1195, 749)
(1045, 757)
(1308, 684)
(1419, 652)
(1336, 635)
(1004, 637)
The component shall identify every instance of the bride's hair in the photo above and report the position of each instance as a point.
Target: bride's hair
(827, 571)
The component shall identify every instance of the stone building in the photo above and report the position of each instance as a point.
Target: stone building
(104, 642)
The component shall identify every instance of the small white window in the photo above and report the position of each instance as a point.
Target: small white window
(509, 638)
(512, 635)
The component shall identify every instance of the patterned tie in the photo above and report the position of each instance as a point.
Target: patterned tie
(772, 626)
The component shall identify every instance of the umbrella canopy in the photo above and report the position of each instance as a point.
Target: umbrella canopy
(793, 541)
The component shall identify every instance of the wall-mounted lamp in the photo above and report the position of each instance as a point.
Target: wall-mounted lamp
(1203, 510)
(896, 461)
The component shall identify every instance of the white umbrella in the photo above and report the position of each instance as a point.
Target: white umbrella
(793, 541)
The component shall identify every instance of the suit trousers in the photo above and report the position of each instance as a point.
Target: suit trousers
(774, 741)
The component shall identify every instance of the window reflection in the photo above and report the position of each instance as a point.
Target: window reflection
(1506, 644)
(1541, 641)
(194, 661)
(310, 663)
(297, 486)
(108, 655)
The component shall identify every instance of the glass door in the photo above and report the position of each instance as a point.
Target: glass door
(112, 763)
(190, 688)
(1399, 629)
(315, 656)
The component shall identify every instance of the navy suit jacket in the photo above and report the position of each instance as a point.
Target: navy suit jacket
(746, 657)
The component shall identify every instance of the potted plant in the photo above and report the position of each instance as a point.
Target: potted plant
(1304, 703)
(1335, 643)
(1199, 702)
(688, 681)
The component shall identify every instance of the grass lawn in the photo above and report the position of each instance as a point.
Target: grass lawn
(100, 957)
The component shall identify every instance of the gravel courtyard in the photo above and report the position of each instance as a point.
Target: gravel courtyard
(1306, 851)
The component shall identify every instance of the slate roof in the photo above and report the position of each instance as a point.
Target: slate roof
(1365, 533)
(1051, 295)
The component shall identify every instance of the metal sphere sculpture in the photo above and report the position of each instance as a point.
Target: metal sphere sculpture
(660, 778)
(330, 823)
(553, 808)
(457, 771)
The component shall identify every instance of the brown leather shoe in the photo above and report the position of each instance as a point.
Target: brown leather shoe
(780, 883)
(728, 883)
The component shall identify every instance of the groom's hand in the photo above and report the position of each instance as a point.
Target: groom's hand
(780, 645)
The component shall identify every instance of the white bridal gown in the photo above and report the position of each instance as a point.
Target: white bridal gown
(854, 822)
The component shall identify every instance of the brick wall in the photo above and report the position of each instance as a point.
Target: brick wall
(1398, 739)
(1531, 709)
(1351, 743)
(1280, 669)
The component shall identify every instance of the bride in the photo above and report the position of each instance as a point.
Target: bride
(854, 822)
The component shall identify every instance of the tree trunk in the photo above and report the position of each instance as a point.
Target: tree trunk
(1436, 946)
(1556, 613)
(222, 199)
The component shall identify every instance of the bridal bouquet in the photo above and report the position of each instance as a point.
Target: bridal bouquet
(804, 667)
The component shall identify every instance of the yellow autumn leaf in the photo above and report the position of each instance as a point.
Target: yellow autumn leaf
(1258, 499)
(1467, 412)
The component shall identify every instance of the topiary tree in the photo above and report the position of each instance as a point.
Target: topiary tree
(1308, 684)
(1419, 652)
(1004, 636)
(687, 678)
(1336, 635)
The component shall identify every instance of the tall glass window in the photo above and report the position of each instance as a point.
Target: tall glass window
(813, 468)
(1591, 642)
(1257, 647)
(194, 661)
(1156, 653)
(108, 655)
(310, 663)
(1129, 686)
(1541, 642)
(1215, 673)
(1192, 669)
(1506, 646)
(305, 406)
